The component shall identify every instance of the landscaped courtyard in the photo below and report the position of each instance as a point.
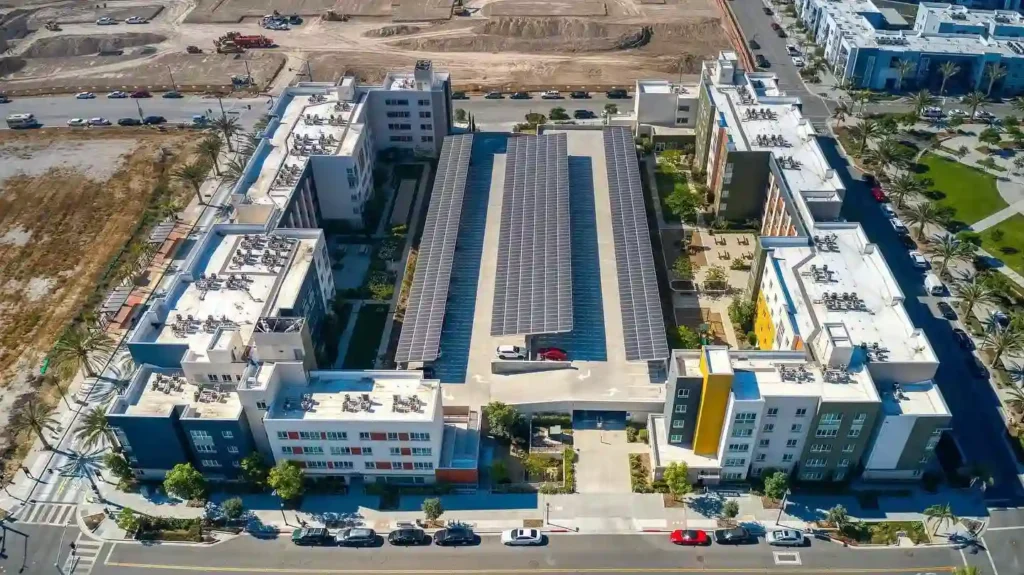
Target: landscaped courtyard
(969, 191)
(1005, 241)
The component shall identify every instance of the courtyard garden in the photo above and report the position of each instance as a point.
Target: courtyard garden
(369, 327)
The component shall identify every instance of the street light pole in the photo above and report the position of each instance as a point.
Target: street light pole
(141, 117)
(309, 71)
(782, 507)
(171, 74)
(283, 515)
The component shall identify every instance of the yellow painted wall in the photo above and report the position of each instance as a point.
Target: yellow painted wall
(713, 403)
(764, 327)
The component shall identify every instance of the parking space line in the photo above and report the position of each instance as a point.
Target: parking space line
(1009, 528)
(989, 553)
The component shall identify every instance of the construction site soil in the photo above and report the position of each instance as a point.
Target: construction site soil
(71, 45)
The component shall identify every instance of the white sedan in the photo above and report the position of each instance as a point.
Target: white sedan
(792, 49)
(958, 113)
(785, 538)
(918, 259)
(99, 122)
(85, 95)
(522, 537)
(798, 61)
(888, 210)
(106, 21)
(117, 94)
(78, 122)
(135, 20)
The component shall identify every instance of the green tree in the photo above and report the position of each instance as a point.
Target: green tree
(35, 416)
(974, 100)
(904, 186)
(254, 469)
(887, 154)
(948, 250)
(535, 118)
(676, 476)
(233, 508)
(683, 203)
(687, 338)
(460, 115)
(611, 109)
(128, 520)
(941, 513)
(994, 72)
(1002, 341)
(78, 348)
(741, 312)
(233, 170)
(730, 509)
(837, 516)
(840, 113)
(682, 267)
(185, 482)
(903, 67)
(229, 127)
(922, 214)
(776, 484)
(193, 174)
(948, 69)
(1015, 399)
(286, 479)
(990, 136)
(673, 158)
(953, 123)
(558, 113)
(211, 147)
(716, 277)
(536, 465)
(118, 466)
(972, 292)
(432, 508)
(502, 419)
(863, 133)
(95, 428)
(921, 100)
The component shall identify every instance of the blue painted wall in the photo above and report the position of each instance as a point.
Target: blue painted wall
(159, 354)
(155, 442)
(241, 439)
(309, 303)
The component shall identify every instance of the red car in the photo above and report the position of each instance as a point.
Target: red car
(552, 354)
(141, 94)
(878, 194)
(689, 537)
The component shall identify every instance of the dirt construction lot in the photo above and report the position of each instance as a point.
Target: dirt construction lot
(497, 43)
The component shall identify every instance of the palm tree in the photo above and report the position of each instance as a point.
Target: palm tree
(840, 112)
(211, 146)
(168, 208)
(903, 67)
(949, 250)
(903, 186)
(972, 293)
(948, 69)
(193, 174)
(249, 141)
(1015, 399)
(995, 72)
(863, 132)
(95, 428)
(941, 514)
(78, 348)
(887, 154)
(229, 127)
(36, 416)
(974, 100)
(1018, 104)
(233, 170)
(63, 387)
(922, 214)
(921, 100)
(1002, 341)
(862, 98)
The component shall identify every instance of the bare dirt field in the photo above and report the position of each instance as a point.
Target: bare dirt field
(69, 202)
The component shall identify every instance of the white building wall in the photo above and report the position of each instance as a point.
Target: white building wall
(323, 271)
(736, 463)
(389, 132)
(782, 432)
(338, 199)
(892, 437)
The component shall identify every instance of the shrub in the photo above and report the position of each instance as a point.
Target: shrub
(286, 479)
(752, 339)
(776, 484)
(997, 235)
(432, 508)
(730, 509)
(631, 434)
(569, 468)
(499, 472)
(233, 508)
(643, 436)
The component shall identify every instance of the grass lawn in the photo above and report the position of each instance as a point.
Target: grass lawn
(668, 181)
(1010, 247)
(362, 348)
(970, 191)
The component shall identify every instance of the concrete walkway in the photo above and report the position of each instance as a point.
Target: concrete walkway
(603, 465)
(1003, 214)
(346, 336)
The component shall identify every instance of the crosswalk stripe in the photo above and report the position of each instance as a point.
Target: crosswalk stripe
(86, 553)
(48, 513)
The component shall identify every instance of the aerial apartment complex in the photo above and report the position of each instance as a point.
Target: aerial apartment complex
(864, 44)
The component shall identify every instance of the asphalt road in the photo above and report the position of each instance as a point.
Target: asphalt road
(55, 111)
(34, 548)
(623, 554)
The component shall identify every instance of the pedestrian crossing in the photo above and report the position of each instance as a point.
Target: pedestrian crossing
(83, 557)
(48, 514)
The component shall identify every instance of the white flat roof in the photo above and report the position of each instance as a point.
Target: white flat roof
(162, 393)
(273, 269)
(355, 396)
(666, 453)
(921, 398)
(856, 267)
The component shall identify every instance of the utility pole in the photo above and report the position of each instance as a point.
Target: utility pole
(171, 74)
(782, 507)
(141, 117)
(248, 73)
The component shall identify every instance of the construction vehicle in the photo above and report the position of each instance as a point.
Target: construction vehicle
(228, 47)
(194, 50)
(332, 16)
(253, 41)
(52, 26)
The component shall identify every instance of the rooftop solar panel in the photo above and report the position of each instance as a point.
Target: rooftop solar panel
(642, 323)
(533, 280)
(421, 329)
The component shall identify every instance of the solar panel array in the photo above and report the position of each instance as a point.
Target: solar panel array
(424, 315)
(642, 324)
(533, 281)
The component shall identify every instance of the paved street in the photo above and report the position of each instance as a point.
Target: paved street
(55, 111)
(563, 554)
(34, 548)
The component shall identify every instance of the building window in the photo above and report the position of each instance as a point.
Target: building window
(343, 465)
(367, 451)
(285, 449)
(742, 432)
(816, 462)
(337, 436)
(682, 119)
(796, 428)
(739, 447)
(396, 465)
(746, 417)
(812, 475)
(370, 464)
(678, 424)
(426, 138)
(236, 463)
(311, 435)
(790, 443)
(424, 102)
(839, 476)
(924, 459)
(760, 457)
(419, 437)
(392, 436)
(205, 448)
(424, 114)
(364, 436)
(680, 409)
(768, 428)
(312, 450)
(821, 448)
(854, 432)
(844, 463)
(261, 405)
(422, 451)
(390, 102)
(335, 450)
(399, 126)
(773, 411)
(826, 432)
(398, 114)
(860, 419)
(675, 438)
(316, 464)
(426, 127)
(801, 412)
(932, 442)
(211, 463)
(849, 447)
(232, 449)
(282, 435)
(734, 462)
(786, 457)
(401, 138)
(396, 451)
(211, 376)
(764, 442)
(225, 377)
(831, 418)
(723, 206)
(201, 435)
(683, 393)
(227, 435)
(423, 465)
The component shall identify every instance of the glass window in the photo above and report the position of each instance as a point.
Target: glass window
(232, 449)
(683, 393)
(801, 412)
(796, 428)
(786, 457)
(849, 447)
(282, 435)
(742, 432)
(790, 443)
(675, 438)
(396, 451)
(768, 428)
(680, 409)
(763, 443)
(746, 417)
(370, 464)
(678, 424)
(227, 434)
(392, 436)
(773, 411)
(854, 432)
(365, 436)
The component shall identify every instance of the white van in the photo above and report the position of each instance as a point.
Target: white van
(933, 285)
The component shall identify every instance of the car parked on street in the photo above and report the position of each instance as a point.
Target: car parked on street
(879, 194)
(510, 352)
(408, 536)
(106, 21)
(521, 96)
(99, 122)
(494, 96)
(73, 122)
(947, 311)
(761, 61)
(767, 11)
(957, 113)
(786, 538)
(963, 340)
(454, 536)
(312, 536)
(357, 537)
(888, 210)
(459, 96)
(977, 367)
(85, 96)
(753, 44)
(583, 114)
(793, 50)
(172, 95)
(733, 536)
(689, 537)
(918, 259)
(908, 242)
(898, 225)
(551, 95)
(983, 115)
(932, 112)
(117, 94)
(798, 61)
(617, 94)
(135, 20)
(520, 537)
(579, 95)
(153, 120)
(129, 122)
(141, 94)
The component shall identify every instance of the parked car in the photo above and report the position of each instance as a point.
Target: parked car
(583, 114)
(733, 536)
(78, 122)
(4, 99)
(85, 96)
(551, 95)
(776, 27)
(117, 94)
(786, 538)
(312, 536)
(761, 61)
(459, 96)
(579, 95)
(780, 33)
(963, 340)
(793, 50)
(408, 536)
(552, 354)
(454, 536)
(983, 115)
(141, 94)
(798, 61)
(494, 96)
(768, 11)
(153, 120)
(932, 112)
(888, 210)
(357, 537)
(897, 225)
(753, 45)
(958, 113)
(521, 537)
(99, 122)
(918, 259)
(976, 367)
(511, 352)
(617, 94)
(172, 95)
(106, 21)
(129, 122)
(908, 242)
(135, 20)
(947, 310)
(879, 194)
(689, 537)
(521, 96)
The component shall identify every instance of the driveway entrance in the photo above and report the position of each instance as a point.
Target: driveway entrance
(600, 420)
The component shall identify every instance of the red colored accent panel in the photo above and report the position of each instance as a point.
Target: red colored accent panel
(406, 465)
(406, 451)
(302, 464)
(375, 436)
(330, 465)
(456, 475)
(357, 451)
(297, 450)
(403, 437)
(293, 435)
(383, 465)
(323, 435)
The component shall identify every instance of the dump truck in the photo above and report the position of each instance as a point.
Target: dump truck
(228, 47)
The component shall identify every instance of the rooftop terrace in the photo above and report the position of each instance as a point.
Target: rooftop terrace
(155, 393)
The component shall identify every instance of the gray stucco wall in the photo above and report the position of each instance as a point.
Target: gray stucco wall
(748, 189)
(915, 447)
(849, 412)
(694, 385)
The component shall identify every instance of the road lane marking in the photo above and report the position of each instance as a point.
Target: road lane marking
(835, 571)
(1011, 528)
(989, 553)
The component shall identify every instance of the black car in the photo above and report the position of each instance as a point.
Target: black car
(761, 61)
(583, 114)
(459, 96)
(976, 367)
(172, 95)
(408, 536)
(129, 122)
(357, 537)
(521, 96)
(734, 536)
(312, 536)
(617, 94)
(152, 120)
(753, 45)
(780, 33)
(947, 311)
(454, 536)
(963, 340)
(579, 95)
(908, 242)
(494, 96)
